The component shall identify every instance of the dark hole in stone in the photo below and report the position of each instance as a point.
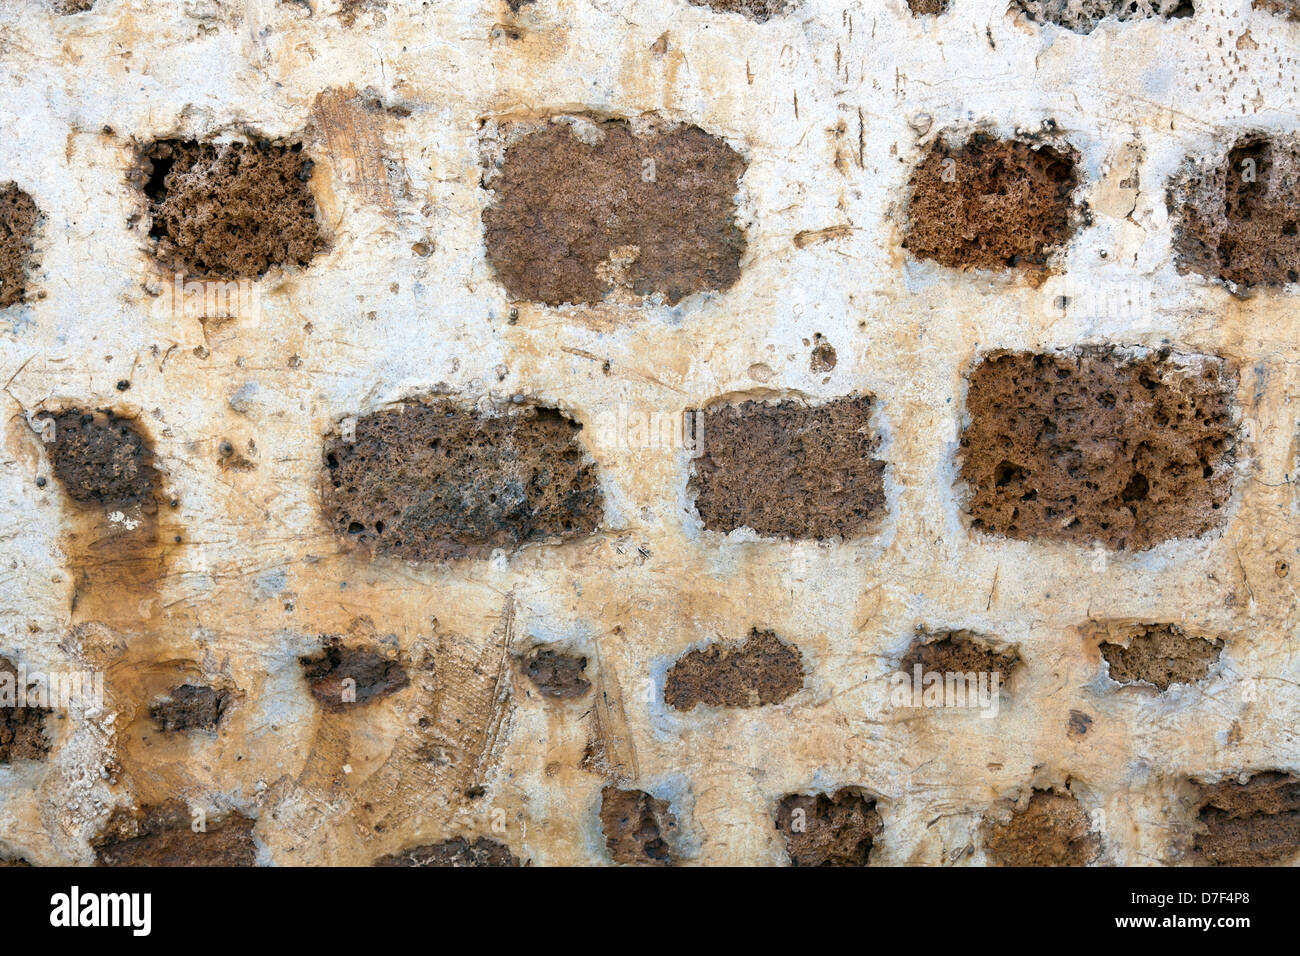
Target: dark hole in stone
(1136, 489)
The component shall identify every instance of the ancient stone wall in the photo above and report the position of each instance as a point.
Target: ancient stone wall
(485, 432)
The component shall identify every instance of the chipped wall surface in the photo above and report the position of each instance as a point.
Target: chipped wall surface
(227, 572)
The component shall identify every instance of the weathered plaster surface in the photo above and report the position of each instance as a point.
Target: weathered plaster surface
(831, 106)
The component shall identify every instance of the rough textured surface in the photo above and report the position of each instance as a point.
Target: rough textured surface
(835, 830)
(1237, 220)
(824, 358)
(189, 707)
(790, 470)
(1161, 655)
(1098, 445)
(638, 827)
(832, 107)
(761, 670)
(927, 8)
(351, 10)
(99, 457)
(23, 733)
(960, 652)
(556, 674)
(231, 210)
(1284, 8)
(991, 203)
(454, 852)
(1051, 829)
(65, 7)
(1255, 823)
(165, 835)
(18, 217)
(650, 212)
(373, 675)
(1084, 16)
(434, 482)
(759, 10)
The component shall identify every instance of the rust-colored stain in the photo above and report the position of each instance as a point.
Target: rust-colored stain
(354, 139)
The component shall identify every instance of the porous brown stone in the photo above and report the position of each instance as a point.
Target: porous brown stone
(1160, 655)
(231, 210)
(1094, 444)
(1283, 8)
(165, 835)
(374, 675)
(1256, 823)
(1084, 16)
(18, 218)
(1052, 829)
(556, 674)
(652, 211)
(351, 10)
(189, 707)
(455, 852)
(99, 457)
(436, 482)
(959, 652)
(1237, 221)
(836, 830)
(761, 670)
(23, 734)
(760, 10)
(789, 470)
(638, 827)
(991, 203)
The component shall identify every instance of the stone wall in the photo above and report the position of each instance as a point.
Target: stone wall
(472, 432)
